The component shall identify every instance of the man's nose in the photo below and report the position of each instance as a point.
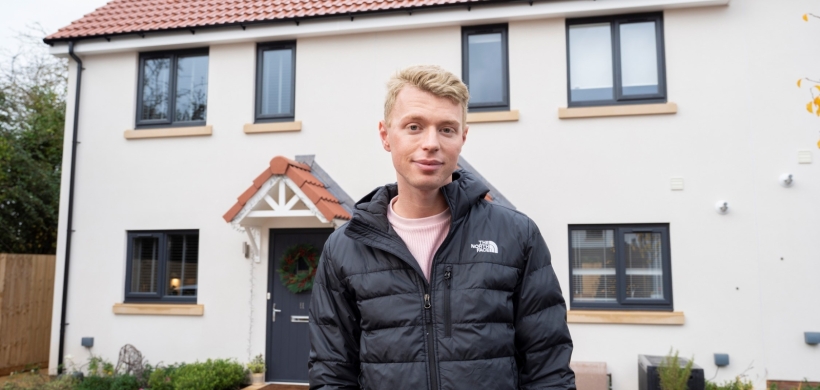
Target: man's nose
(430, 141)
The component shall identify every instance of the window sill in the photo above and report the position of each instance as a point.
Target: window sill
(621, 110)
(492, 116)
(159, 309)
(272, 127)
(169, 132)
(625, 317)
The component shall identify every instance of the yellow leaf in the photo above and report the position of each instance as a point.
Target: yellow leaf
(818, 112)
(817, 101)
(818, 87)
(805, 17)
(798, 82)
(818, 144)
(809, 108)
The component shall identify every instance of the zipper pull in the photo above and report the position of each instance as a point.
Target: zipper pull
(447, 274)
(427, 301)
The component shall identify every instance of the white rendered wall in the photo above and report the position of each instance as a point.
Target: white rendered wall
(740, 123)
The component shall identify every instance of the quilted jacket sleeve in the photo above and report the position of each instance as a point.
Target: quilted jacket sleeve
(334, 331)
(542, 339)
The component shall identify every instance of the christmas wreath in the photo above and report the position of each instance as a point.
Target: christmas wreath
(292, 277)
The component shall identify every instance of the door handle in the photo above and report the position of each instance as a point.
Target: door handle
(302, 319)
(275, 310)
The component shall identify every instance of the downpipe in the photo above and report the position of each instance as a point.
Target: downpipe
(69, 230)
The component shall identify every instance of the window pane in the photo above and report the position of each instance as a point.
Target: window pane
(639, 58)
(156, 75)
(486, 68)
(593, 266)
(144, 264)
(590, 62)
(183, 255)
(277, 82)
(192, 88)
(644, 265)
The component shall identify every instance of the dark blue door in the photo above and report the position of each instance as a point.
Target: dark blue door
(287, 331)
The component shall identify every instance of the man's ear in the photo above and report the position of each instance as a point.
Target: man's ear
(464, 136)
(383, 135)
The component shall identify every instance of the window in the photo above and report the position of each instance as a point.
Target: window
(620, 267)
(616, 60)
(173, 89)
(275, 82)
(485, 67)
(162, 267)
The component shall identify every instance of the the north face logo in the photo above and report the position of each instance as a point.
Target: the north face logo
(485, 246)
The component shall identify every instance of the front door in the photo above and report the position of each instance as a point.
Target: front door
(288, 346)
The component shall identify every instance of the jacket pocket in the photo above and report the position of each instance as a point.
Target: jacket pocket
(448, 321)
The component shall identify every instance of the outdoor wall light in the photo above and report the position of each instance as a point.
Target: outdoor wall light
(786, 180)
(246, 249)
(812, 338)
(88, 342)
(722, 207)
(721, 359)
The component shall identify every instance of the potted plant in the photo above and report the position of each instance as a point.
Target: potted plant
(257, 369)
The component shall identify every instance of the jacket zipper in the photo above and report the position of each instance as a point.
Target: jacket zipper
(431, 357)
(448, 321)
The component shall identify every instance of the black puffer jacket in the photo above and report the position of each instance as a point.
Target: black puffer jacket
(492, 316)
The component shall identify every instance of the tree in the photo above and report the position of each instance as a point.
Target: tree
(813, 106)
(32, 117)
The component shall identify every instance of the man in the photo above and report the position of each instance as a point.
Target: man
(430, 286)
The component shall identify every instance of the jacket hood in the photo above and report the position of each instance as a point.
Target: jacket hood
(461, 194)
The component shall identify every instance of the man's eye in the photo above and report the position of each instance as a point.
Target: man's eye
(414, 127)
(447, 130)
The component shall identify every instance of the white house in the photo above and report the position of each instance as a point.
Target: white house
(662, 147)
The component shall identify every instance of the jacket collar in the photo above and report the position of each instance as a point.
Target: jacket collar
(461, 194)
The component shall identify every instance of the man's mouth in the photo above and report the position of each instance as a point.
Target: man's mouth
(428, 165)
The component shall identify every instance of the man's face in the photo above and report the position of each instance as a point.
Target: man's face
(424, 137)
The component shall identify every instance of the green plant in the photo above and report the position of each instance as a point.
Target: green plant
(736, 384)
(217, 374)
(672, 375)
(160, 378)
(257, 365)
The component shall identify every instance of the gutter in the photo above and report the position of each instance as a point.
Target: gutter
(69, 230)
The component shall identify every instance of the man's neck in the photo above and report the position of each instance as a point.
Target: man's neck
(413, 203)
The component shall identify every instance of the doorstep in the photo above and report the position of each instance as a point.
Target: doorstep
(272, 386)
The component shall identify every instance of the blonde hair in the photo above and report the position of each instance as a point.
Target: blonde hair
(429, 78)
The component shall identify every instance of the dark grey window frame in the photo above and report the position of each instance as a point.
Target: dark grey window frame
(622, 303)
(159, 296)
(466, 31)
(173, 55)
(289, 117)
(614, 22)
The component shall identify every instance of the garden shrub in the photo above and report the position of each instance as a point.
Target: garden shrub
(218, 374)
(672, 375)
(160, 378)
(736, 384)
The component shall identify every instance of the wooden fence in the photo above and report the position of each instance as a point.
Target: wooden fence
(26, 294)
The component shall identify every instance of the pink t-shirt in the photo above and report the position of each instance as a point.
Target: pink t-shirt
(422, 236)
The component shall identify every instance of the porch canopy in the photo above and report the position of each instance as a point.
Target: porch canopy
(289, 193)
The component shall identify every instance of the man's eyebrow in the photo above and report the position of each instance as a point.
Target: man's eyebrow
(451, 123)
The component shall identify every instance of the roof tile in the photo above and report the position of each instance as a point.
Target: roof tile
(332, 210)
(133, 16)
